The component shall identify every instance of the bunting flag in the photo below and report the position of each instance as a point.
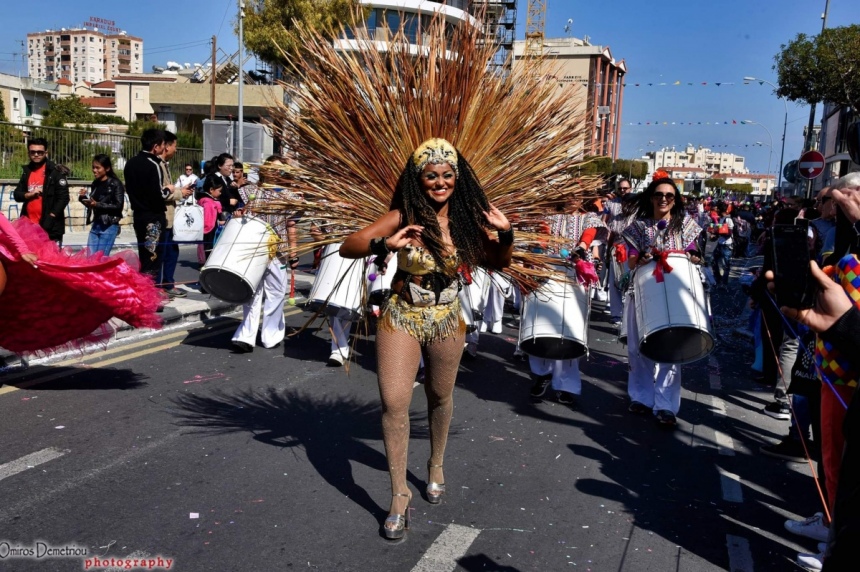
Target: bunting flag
(586, 83)
(687, 123)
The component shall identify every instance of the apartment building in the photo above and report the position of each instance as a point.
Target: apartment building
(82, 55)
(385, 18)
(591, 74)
(702, 158)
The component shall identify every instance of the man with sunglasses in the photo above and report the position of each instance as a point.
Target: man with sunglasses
(617, 221)
(44, 190)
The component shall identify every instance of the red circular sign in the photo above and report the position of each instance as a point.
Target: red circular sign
(810, 164)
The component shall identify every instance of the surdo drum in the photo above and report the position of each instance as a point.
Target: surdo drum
(338, 285)
(672, 316)
(236, 265)
(554, 321)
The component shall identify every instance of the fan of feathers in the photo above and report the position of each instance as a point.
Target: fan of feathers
(355, 109)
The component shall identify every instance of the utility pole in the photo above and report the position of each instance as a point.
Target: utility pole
(240, 148)
(212, 73)
(809, 132)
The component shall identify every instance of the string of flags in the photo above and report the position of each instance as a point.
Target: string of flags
(585, 82)
(660, 123)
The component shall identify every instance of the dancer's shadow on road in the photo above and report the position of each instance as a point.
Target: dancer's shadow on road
(330, 430)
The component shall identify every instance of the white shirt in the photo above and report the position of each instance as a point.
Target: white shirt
(185, 180)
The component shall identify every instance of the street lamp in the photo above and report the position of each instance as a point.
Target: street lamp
(770, 154)
(748, 79)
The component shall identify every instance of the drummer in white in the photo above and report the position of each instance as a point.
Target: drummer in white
(583, 233)
(661, 226)
(274, 285)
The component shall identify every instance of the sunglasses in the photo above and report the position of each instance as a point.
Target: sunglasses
(32, 152)
(823, 200)
(669, 197)
(623, 188)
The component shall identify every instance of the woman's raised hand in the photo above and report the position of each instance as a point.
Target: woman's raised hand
(403, 236)
(497, 219)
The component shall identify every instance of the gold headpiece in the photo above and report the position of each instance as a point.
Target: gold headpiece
(435, 152)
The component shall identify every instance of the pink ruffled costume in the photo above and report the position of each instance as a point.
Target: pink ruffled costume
(67, 300)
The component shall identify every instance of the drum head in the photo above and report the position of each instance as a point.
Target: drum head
(553, 348)
(226, 285)
(677, 345)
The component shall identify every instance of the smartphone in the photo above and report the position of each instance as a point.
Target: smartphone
(794, 285)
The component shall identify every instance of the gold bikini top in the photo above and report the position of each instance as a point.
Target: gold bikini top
(417, 261)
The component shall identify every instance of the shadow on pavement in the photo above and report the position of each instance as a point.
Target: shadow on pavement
(331, 431)
(69, 378)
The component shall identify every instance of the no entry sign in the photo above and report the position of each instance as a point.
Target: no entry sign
(810, 164)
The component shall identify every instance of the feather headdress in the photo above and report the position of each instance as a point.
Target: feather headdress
(357, 109)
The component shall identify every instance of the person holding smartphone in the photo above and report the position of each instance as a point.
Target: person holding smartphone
(836, 320)
(104, 201)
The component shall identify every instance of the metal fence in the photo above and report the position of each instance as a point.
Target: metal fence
(75, 149)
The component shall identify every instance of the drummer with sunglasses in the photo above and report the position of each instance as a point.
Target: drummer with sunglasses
(661, 225)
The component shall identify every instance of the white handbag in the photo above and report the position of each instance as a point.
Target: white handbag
(188, 222)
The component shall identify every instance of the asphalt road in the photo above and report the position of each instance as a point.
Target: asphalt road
(171, 445)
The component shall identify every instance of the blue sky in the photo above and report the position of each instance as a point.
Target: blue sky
(662, 41)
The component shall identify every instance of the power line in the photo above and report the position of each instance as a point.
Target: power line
(226, 10)
(175, 45)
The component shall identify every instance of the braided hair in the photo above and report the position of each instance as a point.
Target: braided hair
(645, 208)
(466, 221)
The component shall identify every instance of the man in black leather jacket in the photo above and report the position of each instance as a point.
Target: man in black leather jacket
(44, 190)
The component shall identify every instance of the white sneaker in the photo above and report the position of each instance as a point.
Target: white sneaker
(812, 527)
(335, 359)
(497, 328)
(812, 562)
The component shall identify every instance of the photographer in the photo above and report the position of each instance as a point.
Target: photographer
(837, 321)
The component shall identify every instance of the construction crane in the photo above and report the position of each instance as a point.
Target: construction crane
(535, 25)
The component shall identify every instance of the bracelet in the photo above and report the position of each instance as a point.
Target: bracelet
(506, 237)
(378, 246)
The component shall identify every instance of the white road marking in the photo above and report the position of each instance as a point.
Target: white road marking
(29, 461)
(452, 544)
(731, 485)
(42, 495)
(725, 444)
(740, 557)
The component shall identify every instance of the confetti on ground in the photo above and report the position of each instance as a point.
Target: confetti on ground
(194, 515)
(204, 378)
(60, 427)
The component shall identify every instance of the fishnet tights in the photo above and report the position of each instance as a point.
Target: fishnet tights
(397, 355)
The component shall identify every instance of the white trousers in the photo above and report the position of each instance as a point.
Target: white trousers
(657, 385)
(494, 310)
(274, 289)
(616, 297)
(565, 373)
(340, 336)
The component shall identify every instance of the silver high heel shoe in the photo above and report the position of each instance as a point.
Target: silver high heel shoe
(399, 522)
(434, 490)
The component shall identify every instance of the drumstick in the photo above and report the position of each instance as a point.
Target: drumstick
(292, 300)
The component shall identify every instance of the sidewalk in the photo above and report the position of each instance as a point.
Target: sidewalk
(195, 307)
